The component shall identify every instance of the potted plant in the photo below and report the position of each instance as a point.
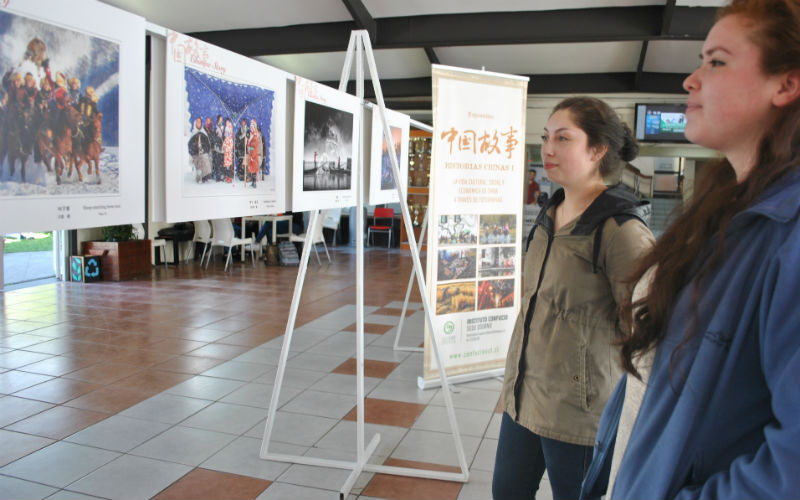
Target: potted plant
(118, 233)
(124, 257)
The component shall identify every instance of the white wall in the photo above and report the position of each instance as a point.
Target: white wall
(539, 108)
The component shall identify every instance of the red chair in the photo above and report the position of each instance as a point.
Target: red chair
(379, 221)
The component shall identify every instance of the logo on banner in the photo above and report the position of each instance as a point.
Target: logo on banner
(449, 328)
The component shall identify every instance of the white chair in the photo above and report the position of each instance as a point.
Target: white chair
(138, 231)
(224, 237)
(317, 238)
(202, 234)
(331, 221)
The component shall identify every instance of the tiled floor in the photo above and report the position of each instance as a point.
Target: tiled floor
(159, 388)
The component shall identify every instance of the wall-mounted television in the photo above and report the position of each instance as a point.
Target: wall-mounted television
(660, 122)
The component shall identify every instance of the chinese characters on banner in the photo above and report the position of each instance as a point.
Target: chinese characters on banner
(476, 203)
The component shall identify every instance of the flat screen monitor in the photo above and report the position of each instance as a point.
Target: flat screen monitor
(660, 122)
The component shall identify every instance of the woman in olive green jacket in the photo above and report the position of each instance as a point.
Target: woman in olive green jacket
(562, 364)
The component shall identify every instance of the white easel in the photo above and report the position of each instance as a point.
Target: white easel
(397, 346)
(453, 379)
(360, 46)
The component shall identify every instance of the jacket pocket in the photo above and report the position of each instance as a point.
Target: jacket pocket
(584, 378)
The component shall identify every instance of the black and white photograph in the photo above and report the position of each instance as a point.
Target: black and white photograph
(327, 148)
(325, 165)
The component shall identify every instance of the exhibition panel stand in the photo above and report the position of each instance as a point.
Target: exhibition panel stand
(361, 48)
(397, 346)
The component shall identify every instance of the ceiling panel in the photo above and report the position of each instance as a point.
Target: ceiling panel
(387, 8)
(206, 15)
(327, 66)
(597, 49)
(672, 56)
(557, 58)
(701, 3)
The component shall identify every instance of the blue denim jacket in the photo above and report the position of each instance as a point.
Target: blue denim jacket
(721, 419)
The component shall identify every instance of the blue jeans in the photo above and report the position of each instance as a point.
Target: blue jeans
(266, 230)
(522, 457)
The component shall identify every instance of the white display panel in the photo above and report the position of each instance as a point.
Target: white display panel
(225, 133)
(326, 142)
(156, 179)
(381, 180)
(80, 98)
(475, 210)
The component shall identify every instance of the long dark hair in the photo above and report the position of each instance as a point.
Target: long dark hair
(699, 229)
(603, 127)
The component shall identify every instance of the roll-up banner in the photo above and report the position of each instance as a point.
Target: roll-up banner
(476, 200)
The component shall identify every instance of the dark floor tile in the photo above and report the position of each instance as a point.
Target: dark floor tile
(213, 485)
(412, 488)
(387, 412)
(372, 368)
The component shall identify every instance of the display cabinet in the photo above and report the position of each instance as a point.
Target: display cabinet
(419, 175)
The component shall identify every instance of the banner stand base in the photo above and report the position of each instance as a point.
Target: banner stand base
(460, 379)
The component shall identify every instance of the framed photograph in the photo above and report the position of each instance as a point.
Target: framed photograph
(72, 119)
(225, 133)
(326, 145)
(381, 179)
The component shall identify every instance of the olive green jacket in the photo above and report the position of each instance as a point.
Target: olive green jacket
(561, 370)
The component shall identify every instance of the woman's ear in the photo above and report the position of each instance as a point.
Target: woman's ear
(789, 89)
(598, 152)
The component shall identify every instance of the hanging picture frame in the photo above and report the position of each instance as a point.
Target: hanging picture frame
(326, 145)
(381, 180)
(225, 133)
(73, 120)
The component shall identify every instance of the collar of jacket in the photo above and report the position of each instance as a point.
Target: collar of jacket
(613, 202)
(780, 202)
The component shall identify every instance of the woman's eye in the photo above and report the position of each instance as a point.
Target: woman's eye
(716, 63)
(561, 138)
(544, 138)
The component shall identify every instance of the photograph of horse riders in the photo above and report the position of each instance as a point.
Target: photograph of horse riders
(59, 109)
